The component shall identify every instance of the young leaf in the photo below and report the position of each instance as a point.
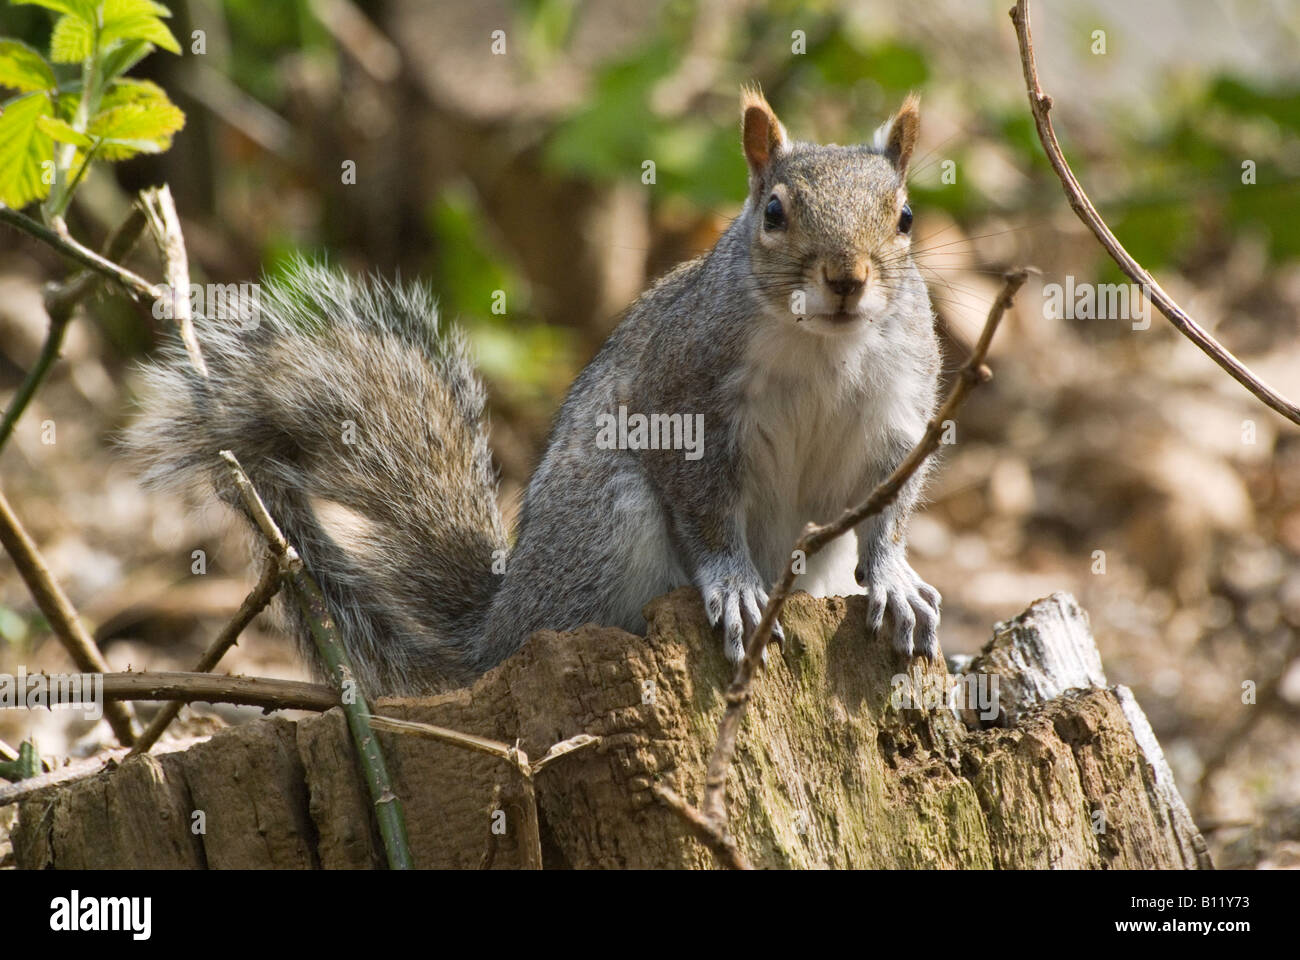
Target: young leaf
(113, 148)
(63, 131)
(131, 90)
(72, 41)
(23, 149)
(145, 125)
(125, 56)
(136, 20)
(23, 68)
(81, 9)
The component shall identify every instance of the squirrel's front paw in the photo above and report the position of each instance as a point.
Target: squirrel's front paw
(737, 601)
(893, 587)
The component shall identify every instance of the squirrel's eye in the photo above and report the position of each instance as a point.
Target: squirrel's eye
(905, 220)
(773, 214)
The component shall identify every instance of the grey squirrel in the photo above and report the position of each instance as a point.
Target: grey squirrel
(802, 344)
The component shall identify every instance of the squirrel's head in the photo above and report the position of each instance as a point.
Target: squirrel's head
(829, 226)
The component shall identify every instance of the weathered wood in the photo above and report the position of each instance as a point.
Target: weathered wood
(843, 762)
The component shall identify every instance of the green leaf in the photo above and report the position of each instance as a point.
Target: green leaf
(63, 131)
(136, 20)
(139, 119)
(132, 90)
(23, 68)
(114, 9)
(72, 41)
(125, 56)
(113, 148)
(23, 148)
(81, 9)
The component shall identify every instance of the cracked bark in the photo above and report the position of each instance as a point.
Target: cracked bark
(829, 772)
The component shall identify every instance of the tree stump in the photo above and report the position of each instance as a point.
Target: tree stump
(849, 757)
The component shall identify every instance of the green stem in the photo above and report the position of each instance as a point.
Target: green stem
(61, 192)
(32, 382)
(388, 808)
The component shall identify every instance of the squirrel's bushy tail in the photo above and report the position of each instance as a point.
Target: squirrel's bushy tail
(361, 424)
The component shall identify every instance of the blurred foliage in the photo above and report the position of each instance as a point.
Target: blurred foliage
(1171, 187)
(261, 34)
(528, 359)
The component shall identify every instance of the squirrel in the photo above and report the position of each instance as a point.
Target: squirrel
(801, 349)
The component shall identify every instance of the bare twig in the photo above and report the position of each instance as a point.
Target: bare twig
(60, 301)
(564, 748)
(256, 601)
(466, 741)
(261, 692)
(134, 284)
(258, 512)
(58, 611)
(1039, 104)
(165, 224)
(711, 822)
(477, 744)
(708, 831)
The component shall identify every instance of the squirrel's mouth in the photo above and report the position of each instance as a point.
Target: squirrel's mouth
(843, 317)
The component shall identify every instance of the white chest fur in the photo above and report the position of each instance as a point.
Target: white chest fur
(817, 428)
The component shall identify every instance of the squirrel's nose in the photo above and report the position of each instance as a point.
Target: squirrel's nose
(844, 286)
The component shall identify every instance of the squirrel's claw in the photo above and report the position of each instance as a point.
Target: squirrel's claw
(912, 605)
(738, 607)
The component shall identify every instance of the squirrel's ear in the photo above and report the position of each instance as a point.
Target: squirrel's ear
(761, 132)
(902, 133)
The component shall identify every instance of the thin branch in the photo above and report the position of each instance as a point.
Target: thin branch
(563, 749)
(60, 301)
(713, 835)
(711, 822)
(58, 610)
(1040, 104)
(260, 515)
(256, 601)
(269, 694)
(466, 741)
(165, 224)
(134, 284)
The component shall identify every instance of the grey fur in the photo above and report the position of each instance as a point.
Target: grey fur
(803, 415)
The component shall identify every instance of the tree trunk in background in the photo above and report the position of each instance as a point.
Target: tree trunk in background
(834, 768)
